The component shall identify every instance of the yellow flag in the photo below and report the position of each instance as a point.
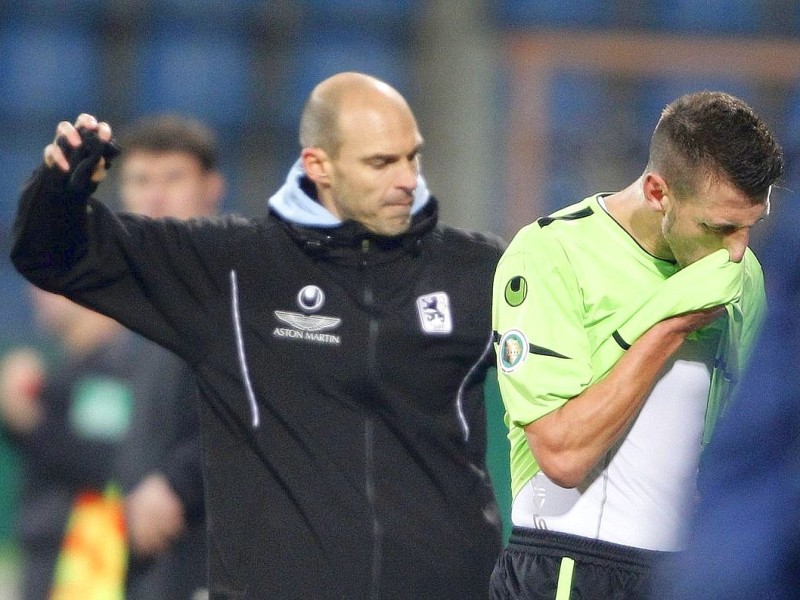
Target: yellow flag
(93, 558)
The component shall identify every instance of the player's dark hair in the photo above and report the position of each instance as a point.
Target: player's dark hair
(172, 133)
(714, 134)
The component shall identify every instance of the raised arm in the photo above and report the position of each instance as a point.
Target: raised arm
(67, 242)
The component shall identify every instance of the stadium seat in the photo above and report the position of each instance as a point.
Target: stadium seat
(707, 17)
(656, 92)
(47, 72)
(577, 101)
(56, 12)
(205, 74)
(20, 153)
(787, 132)
(16, 319)
(325, 52)
(554, 13)
(210, 14)
(577, 107)
(373, 12)
(779, 236)
(791, 116)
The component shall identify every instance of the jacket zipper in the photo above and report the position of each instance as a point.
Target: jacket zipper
(369, 436)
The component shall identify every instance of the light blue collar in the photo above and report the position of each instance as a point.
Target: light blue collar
(294, 205)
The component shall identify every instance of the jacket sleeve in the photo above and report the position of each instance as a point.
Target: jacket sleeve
(49, 233)
(136, 270)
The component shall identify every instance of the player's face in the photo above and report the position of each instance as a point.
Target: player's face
(167, 184)
(717, 216)
(374, 174)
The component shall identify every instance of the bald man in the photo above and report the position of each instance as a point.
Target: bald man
(340, 344)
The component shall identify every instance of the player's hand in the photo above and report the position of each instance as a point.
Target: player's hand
(54, 154)
(84, 151)
(154, 516)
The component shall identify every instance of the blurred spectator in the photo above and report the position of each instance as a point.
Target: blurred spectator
(168, 169)
(66, 423)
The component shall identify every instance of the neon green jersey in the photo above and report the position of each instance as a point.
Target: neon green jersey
(574, 290)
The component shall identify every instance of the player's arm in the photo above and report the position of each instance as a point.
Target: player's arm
(569, 441)
(66, 242)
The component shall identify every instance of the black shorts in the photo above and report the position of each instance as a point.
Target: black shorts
(545, 564)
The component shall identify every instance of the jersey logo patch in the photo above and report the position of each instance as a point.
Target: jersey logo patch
(513, 350)
(305, 325)
(516, 290)
(434, 313)
(310, 298)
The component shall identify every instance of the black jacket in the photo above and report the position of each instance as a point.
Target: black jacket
(340, 374)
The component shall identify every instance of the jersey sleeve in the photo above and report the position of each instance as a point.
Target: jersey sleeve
(543, 351)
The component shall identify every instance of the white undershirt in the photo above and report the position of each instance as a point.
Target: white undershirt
(642, 493)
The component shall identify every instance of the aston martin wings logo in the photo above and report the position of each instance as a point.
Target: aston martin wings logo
(308, 322)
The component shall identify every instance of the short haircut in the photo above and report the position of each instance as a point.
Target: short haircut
(172, 133)
(319, 124)
(716, 135)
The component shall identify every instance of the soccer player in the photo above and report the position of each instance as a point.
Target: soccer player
(635, 312)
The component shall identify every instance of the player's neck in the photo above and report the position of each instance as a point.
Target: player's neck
(629, 209)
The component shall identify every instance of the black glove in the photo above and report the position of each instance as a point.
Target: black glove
(83, 159)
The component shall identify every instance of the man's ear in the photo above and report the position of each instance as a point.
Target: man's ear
(316, 165)
(656, 191)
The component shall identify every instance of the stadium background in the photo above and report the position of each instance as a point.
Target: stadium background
(526, 105)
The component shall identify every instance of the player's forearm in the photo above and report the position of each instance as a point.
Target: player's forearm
(569, 442)
(49, 231)
(50, 228)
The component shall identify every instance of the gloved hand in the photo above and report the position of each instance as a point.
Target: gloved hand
(84, 159)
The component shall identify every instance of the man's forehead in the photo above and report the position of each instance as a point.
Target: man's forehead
(159, 160)
(387, 150)
(741, 213)
(377, 147)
